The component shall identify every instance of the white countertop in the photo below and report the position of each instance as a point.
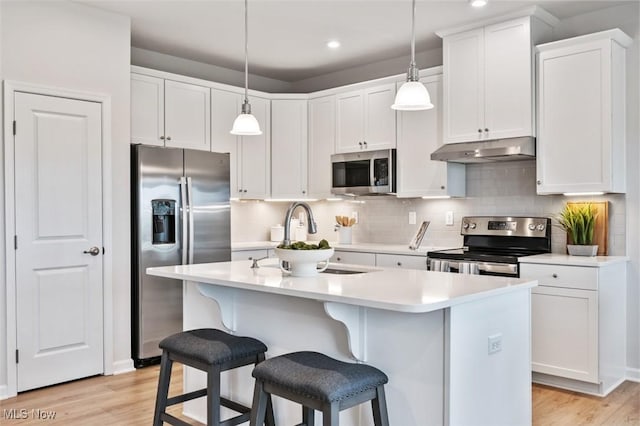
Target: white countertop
(565, 259)
(403, 290)
(361, 247)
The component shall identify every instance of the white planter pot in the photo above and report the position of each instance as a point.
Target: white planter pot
(576, 250)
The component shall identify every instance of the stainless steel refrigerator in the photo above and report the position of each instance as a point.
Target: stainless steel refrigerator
(180, 215)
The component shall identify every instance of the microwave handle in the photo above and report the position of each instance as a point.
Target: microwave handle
(372, 177)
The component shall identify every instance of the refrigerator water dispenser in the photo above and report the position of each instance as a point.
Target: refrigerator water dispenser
(164, 221)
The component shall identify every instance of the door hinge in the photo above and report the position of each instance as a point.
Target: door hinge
(14, 127)
(15, 242)
(17, 356)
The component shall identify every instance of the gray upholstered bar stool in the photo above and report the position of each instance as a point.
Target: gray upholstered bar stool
(318, 382)
(213, 351)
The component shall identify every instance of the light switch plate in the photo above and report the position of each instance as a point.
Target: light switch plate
(448, 218)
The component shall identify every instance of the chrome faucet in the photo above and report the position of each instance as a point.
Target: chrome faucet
(311, 226)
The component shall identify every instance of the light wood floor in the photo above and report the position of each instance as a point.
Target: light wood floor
(128, 399)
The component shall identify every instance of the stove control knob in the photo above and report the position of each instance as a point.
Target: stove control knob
(472, 226)
(532, 227)
(465, 225)
(541, 227)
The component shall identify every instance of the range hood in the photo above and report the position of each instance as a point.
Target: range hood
(511, 149)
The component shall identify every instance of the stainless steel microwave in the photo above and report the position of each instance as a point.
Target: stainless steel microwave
(362, 173)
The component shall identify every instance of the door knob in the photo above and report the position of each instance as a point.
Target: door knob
(93, 251)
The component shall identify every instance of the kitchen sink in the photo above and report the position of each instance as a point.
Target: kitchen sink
(342, 271)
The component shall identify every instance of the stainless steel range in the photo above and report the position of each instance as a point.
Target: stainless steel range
(492, 245)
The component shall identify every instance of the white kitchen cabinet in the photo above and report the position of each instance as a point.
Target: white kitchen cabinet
(250, 155)
(322, 136)
(581, 112)
(249, 254)
(289, 148)
(147, 110)
(365, 120)
(420, 134)
(489, 80)
(354, 257)
(578, 325)
(170, 113)
(401, 261)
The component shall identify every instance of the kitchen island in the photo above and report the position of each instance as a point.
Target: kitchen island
(456, 347)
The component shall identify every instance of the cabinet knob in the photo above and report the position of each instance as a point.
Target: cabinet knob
(399, 263)
(304, 192)
(442, 186)
(250, 257)
(244, 190)
(554, 275)
(168, 138)
(539, 182)
(486, 130)
(162, 137)
(360, 143)
(338, 259)
(365, 143)
(479, 130)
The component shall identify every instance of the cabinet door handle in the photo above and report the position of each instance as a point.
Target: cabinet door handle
(399, 263)
(442, 186)
(162, 137)
(554, 275)
(338, 259)
(486, 130)
(168, 138)
(244, 190)
(304, 192)
(479, 130)
(360, 143)
(539, 182)
(365, 143)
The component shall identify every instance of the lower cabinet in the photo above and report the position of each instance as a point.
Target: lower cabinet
(578, 325)
(380, 259)
(401, 261)
(354, 257)
(251, 254)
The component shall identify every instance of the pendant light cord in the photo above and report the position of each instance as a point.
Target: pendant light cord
(246, 52)
(413, 33)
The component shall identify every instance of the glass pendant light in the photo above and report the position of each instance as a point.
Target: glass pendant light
(246, 124)
(413, 95)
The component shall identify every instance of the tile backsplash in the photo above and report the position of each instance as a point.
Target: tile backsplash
(503, 189)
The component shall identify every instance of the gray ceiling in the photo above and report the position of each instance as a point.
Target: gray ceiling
(287, 39)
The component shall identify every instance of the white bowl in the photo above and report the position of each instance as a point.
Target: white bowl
(304, 263)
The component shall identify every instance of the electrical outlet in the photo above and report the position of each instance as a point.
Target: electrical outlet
(495, 343)
(354, 214)
(412, 218)
(448, 218)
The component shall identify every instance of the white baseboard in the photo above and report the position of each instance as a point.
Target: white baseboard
(4, 392)
(123, 366)
(633, 374)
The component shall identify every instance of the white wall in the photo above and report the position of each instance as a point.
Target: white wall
(68, 45)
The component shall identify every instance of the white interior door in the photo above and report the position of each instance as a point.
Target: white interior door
(58, 208)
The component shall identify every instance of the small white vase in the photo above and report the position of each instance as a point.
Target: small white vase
(578, 250)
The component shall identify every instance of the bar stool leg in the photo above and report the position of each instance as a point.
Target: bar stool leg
(259, 407)
(308, 416)
(213, 396)
(163, 389)
(379, 406)
(331, 414)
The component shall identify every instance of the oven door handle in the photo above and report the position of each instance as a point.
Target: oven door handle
(493, 268)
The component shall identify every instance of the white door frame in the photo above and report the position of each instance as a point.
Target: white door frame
(10, 88)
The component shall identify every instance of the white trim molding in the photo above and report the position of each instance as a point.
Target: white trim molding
(633, 374)
(10, 88)
(122, 366)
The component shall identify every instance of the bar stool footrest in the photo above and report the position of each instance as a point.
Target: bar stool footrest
(186, 397)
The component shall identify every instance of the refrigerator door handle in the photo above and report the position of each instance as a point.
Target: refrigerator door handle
(191, 220)
(184, 206)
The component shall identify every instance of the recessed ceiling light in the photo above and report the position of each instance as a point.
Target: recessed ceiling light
(478, 3)
(333, 44)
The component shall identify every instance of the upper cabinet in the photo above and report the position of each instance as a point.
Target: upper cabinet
(170, 113)
(289, 148)
(581, 114)
(250, 156)
(419, 134)
(322, 137)
(365, 120)
(489, 80)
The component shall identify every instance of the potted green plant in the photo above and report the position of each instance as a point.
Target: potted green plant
(579, 220)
